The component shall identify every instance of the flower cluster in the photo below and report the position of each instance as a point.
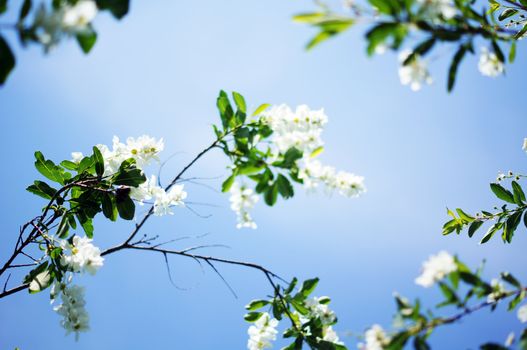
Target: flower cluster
(489, 64)
(414, 73)
(313, 173)
(143, 150)
(163, 200)
(80, 255)
(498, 290)
(375, 339)
(436, 268)
(262, 333)
(75, 318)
(52, 25)
(319, 309)
(242, 200)
(300, 129)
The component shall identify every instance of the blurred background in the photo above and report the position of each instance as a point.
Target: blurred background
(158, 72)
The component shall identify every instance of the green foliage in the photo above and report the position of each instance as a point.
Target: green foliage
(307, 327)
(506, 220)
(250, 156)
(392, 20)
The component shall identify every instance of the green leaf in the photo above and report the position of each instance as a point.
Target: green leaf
(225, 109)
(252, 316)
(260, 109)
(42, 189)
(502, 193)
(378, 35)
(498, 52)
(271, 194)
(512, 52)
(493, 346)
(239, 101)
(492, 230)
(129, 177)
(7, 60)
(3, 6)
(474, 227)
(256, 304)
(24, 10)
(507, 13)
(227, 184)
(99, 162)
(87, 225)
(118, 8)
(507, 277)
(125, 207)
(308, 287)
(521, 32)
(329, 27)
(87, 40)
(511, 225)
(47, 168)
(464, 216)
(454, 65)
(518, 194)
(284, 187)
(309, 18)
(109, 206)
(63, 228)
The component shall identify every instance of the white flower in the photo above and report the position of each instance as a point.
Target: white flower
(331, 336)
(242, 200)
(76, 18)
(415, 73)
(375, 338)
(75, 317)
(82, 255)
(48, 26)
(164, 201)
(262, 333)
(76, 157)
(300, 129)
(320, 310)
(497, 291)
(143, 149)
(522, 313)
(489, 65)
(314, 173)
(524, 147)
(436, 268)
(437, 8)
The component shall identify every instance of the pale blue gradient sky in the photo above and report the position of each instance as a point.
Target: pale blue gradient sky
(159, 71)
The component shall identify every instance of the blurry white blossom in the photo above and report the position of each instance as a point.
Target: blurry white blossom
(80, 15)
(415, 73)
(438, 8)
(436, 268)
(242, 201)
(76, 157)
(262, 333)
(75, 318)
(331, 336)
(522, 313)
(375, 339)
(497, 290)
(313, 173)
(81, 255)
(524, 146)
(489, 65)
(52, 24)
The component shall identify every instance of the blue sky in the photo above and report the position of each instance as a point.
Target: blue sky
(158, 72)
